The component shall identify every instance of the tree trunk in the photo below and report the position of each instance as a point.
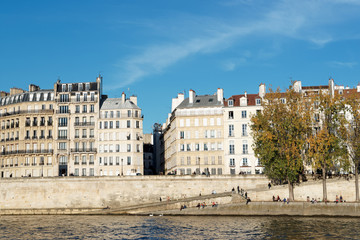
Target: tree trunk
(291, 191)
(324, 184)
(357, 180)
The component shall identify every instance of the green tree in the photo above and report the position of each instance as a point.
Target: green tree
(326, 148)
(279, 132)
(352, 134)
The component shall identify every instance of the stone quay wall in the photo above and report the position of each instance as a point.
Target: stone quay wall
(116, 192)
(100, 192)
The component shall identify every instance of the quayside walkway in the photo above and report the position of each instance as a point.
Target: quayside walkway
(148, 208)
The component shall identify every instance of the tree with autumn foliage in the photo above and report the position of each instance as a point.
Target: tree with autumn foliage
(352, 134)
(279, 132)
(326, 148)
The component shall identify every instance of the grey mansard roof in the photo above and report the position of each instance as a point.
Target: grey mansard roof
(201, 101)
(36, 96)
(116, 103)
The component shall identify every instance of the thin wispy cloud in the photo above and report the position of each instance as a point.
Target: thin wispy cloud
(343, 64)
(291, 19)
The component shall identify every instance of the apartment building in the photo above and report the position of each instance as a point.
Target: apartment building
(57, 132)
(238, 151)
(27, 144)
(194, 135)
(120, 137)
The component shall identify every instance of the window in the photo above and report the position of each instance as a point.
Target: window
(76, 160)
(245, 162)
(231, 130)
(128, 125)
(137, 124)
(76, 173)
(129, 147)
(244, 130)
(197, 147)
(232, 162)
(117, 124)
(205, 147)
(129, 113)
(62, 145)
(91, 172)
(111, 124)
(258, 101)
(243, 114)
(182, 147)
(83, 159)
(129, 160)
(92, 108)
(188, 148)
(84, 172)
(231, 115)
(231, 147)
(118, 114)
(283, 100)
(245, 147)
(85, 96)
(182, 135)
(111, 114)
(84, 108)
(78, 97)
(231, 102)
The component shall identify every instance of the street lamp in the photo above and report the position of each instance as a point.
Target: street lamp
(199, 166)
(122, 167)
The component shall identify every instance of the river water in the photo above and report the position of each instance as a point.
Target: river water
(182, 227)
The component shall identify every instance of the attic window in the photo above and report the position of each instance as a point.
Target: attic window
(116, 103)
(231, 103)
(198, 100)
(340, 92)
(211, 99)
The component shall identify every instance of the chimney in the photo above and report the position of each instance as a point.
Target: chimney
(358, 88)
(297, 86)
(176, 101)
(220, 95)
(245, 94)
(123, 97)
(33, 88)
(14, 91)
(331, 86)
(191, 96)
(133, 98)
(262, 90)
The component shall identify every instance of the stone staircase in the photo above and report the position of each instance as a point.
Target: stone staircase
(148, 208)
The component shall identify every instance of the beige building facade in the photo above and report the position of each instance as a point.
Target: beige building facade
(57, 132)
(193, 135)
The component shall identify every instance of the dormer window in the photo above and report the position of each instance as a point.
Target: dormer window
(231, 103)
(70, 87)
(211, 99)
(87, 86)
(64, 87)
(258, 101)
(341, 91)
(243, 102)
(80, 87)
(283, 100)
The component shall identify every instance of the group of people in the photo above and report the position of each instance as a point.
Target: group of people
(337, 199)
(183, 207)
(201, 205)
(278, 199)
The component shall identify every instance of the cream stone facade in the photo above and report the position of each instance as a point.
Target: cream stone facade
(120, 137)
(239, 154)
(57, 132)
(194, 135)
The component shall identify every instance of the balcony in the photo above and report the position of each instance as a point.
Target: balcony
(91, 136)
(62, 124)
(34, 137)
(49, 137)
(27, 138)
(62, 137)
(78, 150)
(44, 111)
(84, 136)
(76, 163)
(49, 123)
(34, 123)
(42, 123)
(42, 137)
(62, 111)
(91, 163)
(27, 124)
(84, 124)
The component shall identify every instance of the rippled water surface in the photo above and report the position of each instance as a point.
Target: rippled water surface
(182, 227)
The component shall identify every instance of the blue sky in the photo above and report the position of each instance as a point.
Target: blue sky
(156, 49)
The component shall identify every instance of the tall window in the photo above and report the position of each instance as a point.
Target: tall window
(243, 114)
(245, 162)
(231, 147)
(245, 147)
(231, 130)
(244, 130)
(231, 115)
(128, 160)
(232, 162)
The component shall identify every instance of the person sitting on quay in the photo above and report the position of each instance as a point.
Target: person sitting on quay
(248, 200)
(284, 200)
(274, 200)
(341, 199)
(336, 199)
(198, 205)
(278, 199)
